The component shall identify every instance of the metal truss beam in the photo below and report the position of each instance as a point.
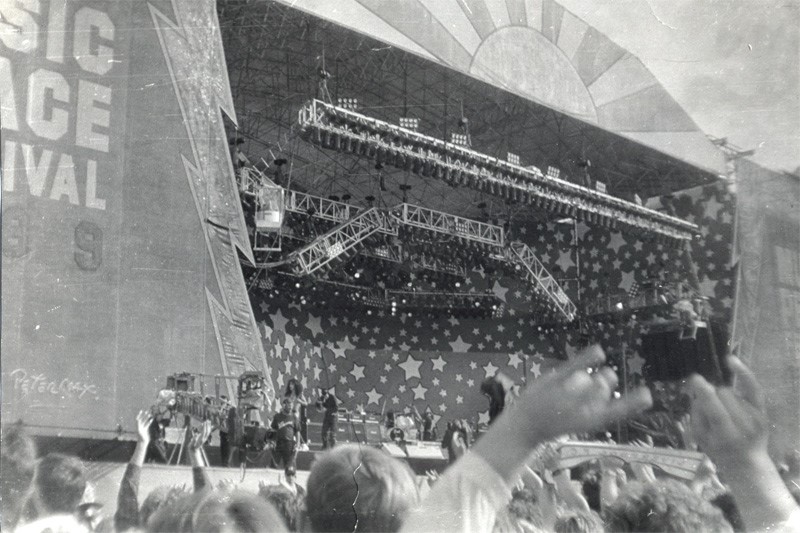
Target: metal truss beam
(350, 132)
(521, 254)
(315, 206)
(343, 238)
(429, 219)
(326, 209)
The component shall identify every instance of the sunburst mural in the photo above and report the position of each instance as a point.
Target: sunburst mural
(540, 51)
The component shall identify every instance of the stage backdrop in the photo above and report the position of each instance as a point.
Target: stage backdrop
(120, 213)
(380, 362)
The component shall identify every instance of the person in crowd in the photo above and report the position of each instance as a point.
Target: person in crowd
(569, 400)
(286, 435)
(294, 391)
(289, 480)
(358, 488)
(128, 515)
(663, 505)
(58, 487)
(288, 504)
(327, 403)
(579, 522)
(17, 468)
(731, 426)
(161, 496)
(215, 512)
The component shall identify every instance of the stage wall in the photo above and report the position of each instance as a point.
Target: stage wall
(120, 213)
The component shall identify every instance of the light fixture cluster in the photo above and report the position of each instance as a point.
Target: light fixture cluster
(388, 144)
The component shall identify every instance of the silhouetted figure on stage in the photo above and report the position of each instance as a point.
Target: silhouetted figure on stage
(328, 403)
(493, 389)
(498, 389)
(294, 391)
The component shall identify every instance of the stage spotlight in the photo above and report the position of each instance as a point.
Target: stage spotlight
(458, 284)
(297, 285)
(619, 306)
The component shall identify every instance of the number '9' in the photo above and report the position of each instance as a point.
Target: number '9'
(89, 241)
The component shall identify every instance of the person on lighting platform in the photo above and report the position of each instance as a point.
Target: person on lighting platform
(328, 403)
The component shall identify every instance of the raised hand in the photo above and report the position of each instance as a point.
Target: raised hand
(729, 423)
(571, 400)
(143, 421)
(731, 426)
(199, 438)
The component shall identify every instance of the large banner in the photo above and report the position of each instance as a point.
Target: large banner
(119, 252)
(767, 317)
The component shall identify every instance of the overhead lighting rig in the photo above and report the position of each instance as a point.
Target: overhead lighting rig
(346, 131)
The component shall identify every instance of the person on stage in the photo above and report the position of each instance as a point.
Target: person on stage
(294, 391)
(287, 435)
(328, 403)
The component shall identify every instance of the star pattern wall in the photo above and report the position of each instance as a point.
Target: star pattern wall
(379, 363)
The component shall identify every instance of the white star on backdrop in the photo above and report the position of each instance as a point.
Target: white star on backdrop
(411, 367)
(536, 368)
(565, 260)
(314, 325)
(357, 372)
(499, 290)
(616, 242)
(279, 321)
(483, 418)
(459, 346)
(490, 370)
(419, 392)
(514, 359)
(438, 364)
(373, 396)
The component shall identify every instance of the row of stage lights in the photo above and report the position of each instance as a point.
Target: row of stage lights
(346, 131)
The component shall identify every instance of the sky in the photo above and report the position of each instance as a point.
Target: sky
(733, 65)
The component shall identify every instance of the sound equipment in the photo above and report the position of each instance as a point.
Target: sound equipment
(344, 430)
(424, 450)
(372, 430)
(393, 449)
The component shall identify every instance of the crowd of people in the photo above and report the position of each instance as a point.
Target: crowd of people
(511, 479)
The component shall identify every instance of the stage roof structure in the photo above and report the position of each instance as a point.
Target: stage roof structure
(582, 99)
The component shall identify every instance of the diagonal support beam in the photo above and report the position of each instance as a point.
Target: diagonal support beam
(343, 238)
(521, 254)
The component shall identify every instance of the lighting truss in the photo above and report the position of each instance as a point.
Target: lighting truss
(352, 232)
(431, 220)
(318, 207)
(343, 238)
(521, 254)
(346, 131)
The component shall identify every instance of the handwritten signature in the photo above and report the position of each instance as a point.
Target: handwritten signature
(30, 384)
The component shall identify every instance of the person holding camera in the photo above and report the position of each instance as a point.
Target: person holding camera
(328, 403)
